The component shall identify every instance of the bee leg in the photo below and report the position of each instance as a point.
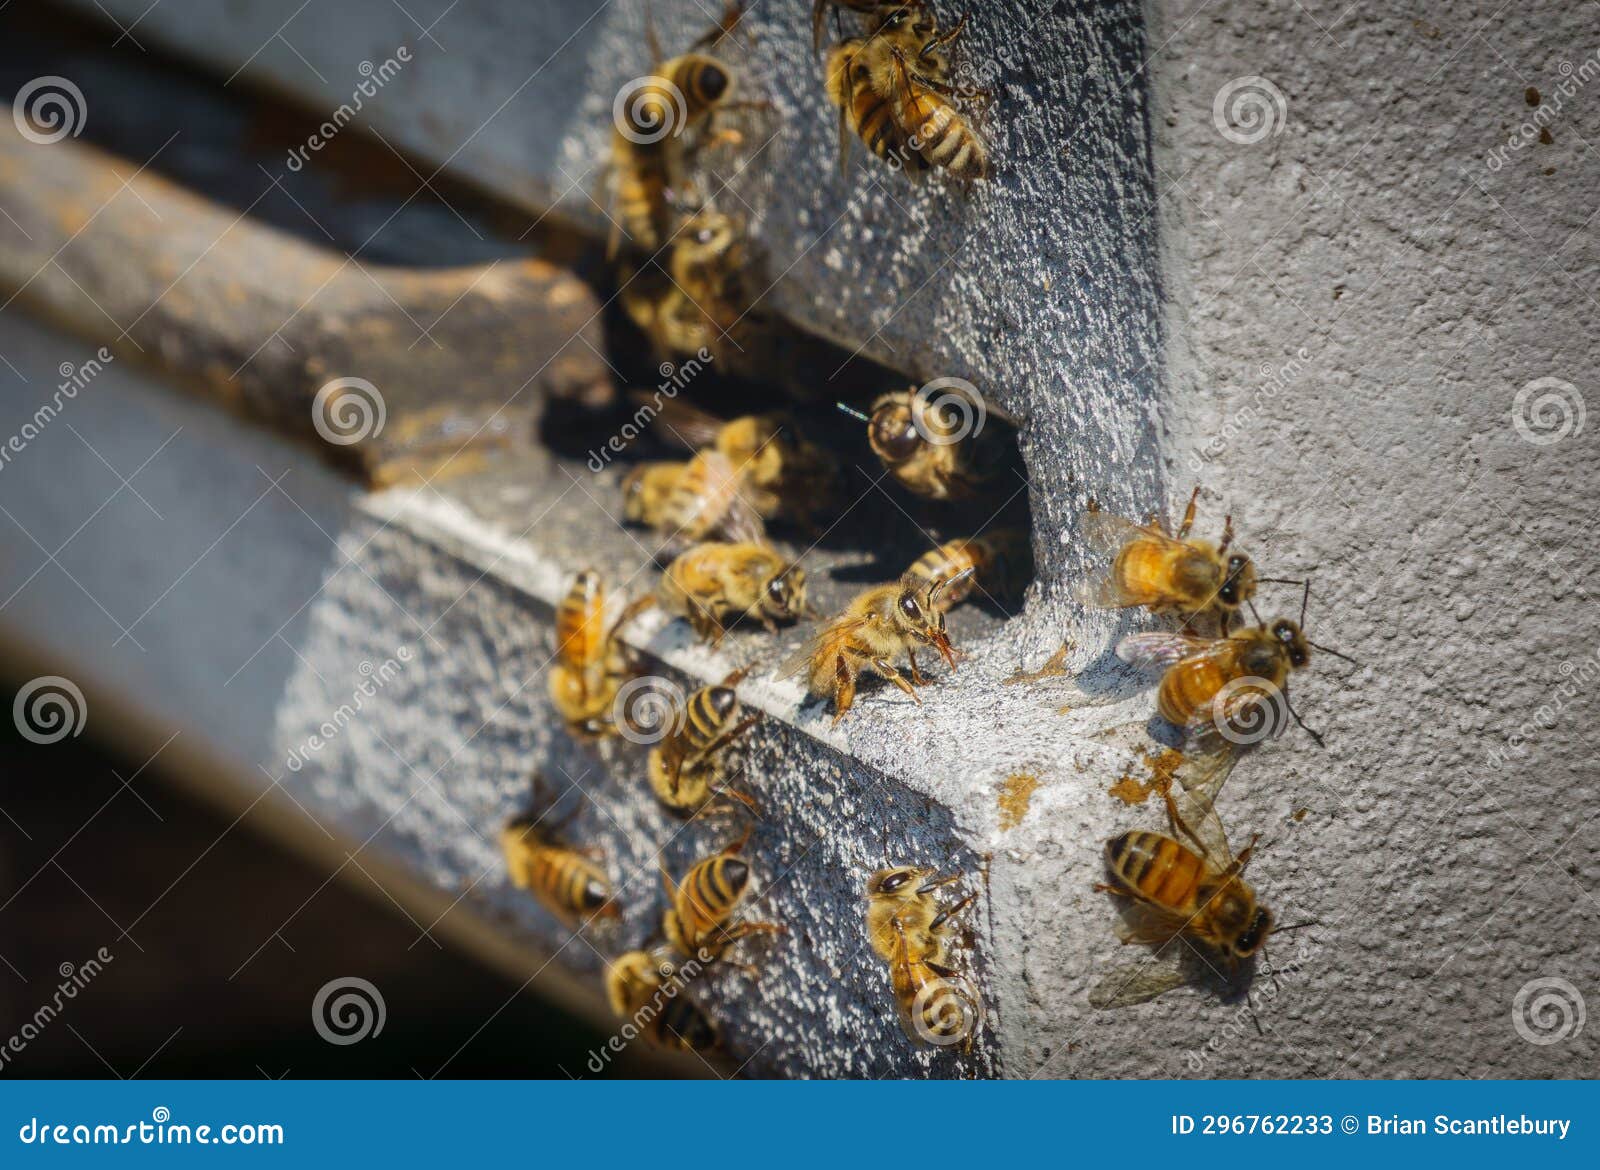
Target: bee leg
(916, 675)
(943, 38)
(884, 668)
(1188, 513)
(743, 798)
(945, 916)
(844, 691)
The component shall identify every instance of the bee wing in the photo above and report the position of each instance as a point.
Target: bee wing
(1163, 648)
(800, 660)
(691, 427)
(1200, 778)
(742, 522)
(1136, 983)
(1107, 532)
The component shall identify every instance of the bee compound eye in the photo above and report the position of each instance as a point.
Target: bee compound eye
(895, 436)
(908, 606)
(713, 82)
(894, 881)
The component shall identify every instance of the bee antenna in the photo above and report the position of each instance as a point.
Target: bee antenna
(1335, 653)
(1296, 926)
(1295, 715)
(1280, 581)
(853, 412)
(1255, 613)
(1305, 600)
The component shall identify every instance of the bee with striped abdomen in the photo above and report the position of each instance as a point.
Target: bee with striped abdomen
(591, 663)
(717, 582)
(699, 918)
(892, 89)
(1232, 691)
(689, 766)
(877, 627)
(992, 562)
(1197, 892)
(937, 1004)
(1179, 574)
(648, 988)
(569, 884)
(656, 123)
(901, 899)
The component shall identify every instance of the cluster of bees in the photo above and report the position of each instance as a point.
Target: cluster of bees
(689, 287)
(1227, 690)
(892, 85)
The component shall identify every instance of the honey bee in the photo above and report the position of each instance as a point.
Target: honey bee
(647, 988)
(700, 299)
(567, 883)
(717, 582)
(989, 562)
(1226, 692)
(699, 910)
(1201, 896)
(892, 89)
(665, 113)
(591, 663)
(646, 490)
(879, 625)
(687, 767)
(937, 1004)
(754, 470)
(1168, 574)
(935, 446)
(901, 899)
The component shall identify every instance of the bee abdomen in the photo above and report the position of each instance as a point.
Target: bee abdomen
(578, 620)
(715, 886)
(1155, 867)
(569, 881)
(685, 1025)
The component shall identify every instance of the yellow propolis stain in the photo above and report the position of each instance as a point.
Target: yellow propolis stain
(1016, 791)
(1054, 667)
(1132, 790)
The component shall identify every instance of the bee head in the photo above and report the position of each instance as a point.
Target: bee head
(709, 82)
(898, 882)
(1239, 582)
(786, 593)
(892, 432)
(1288, 633)
(1255, 932)
(597, 899)
(922, 621)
